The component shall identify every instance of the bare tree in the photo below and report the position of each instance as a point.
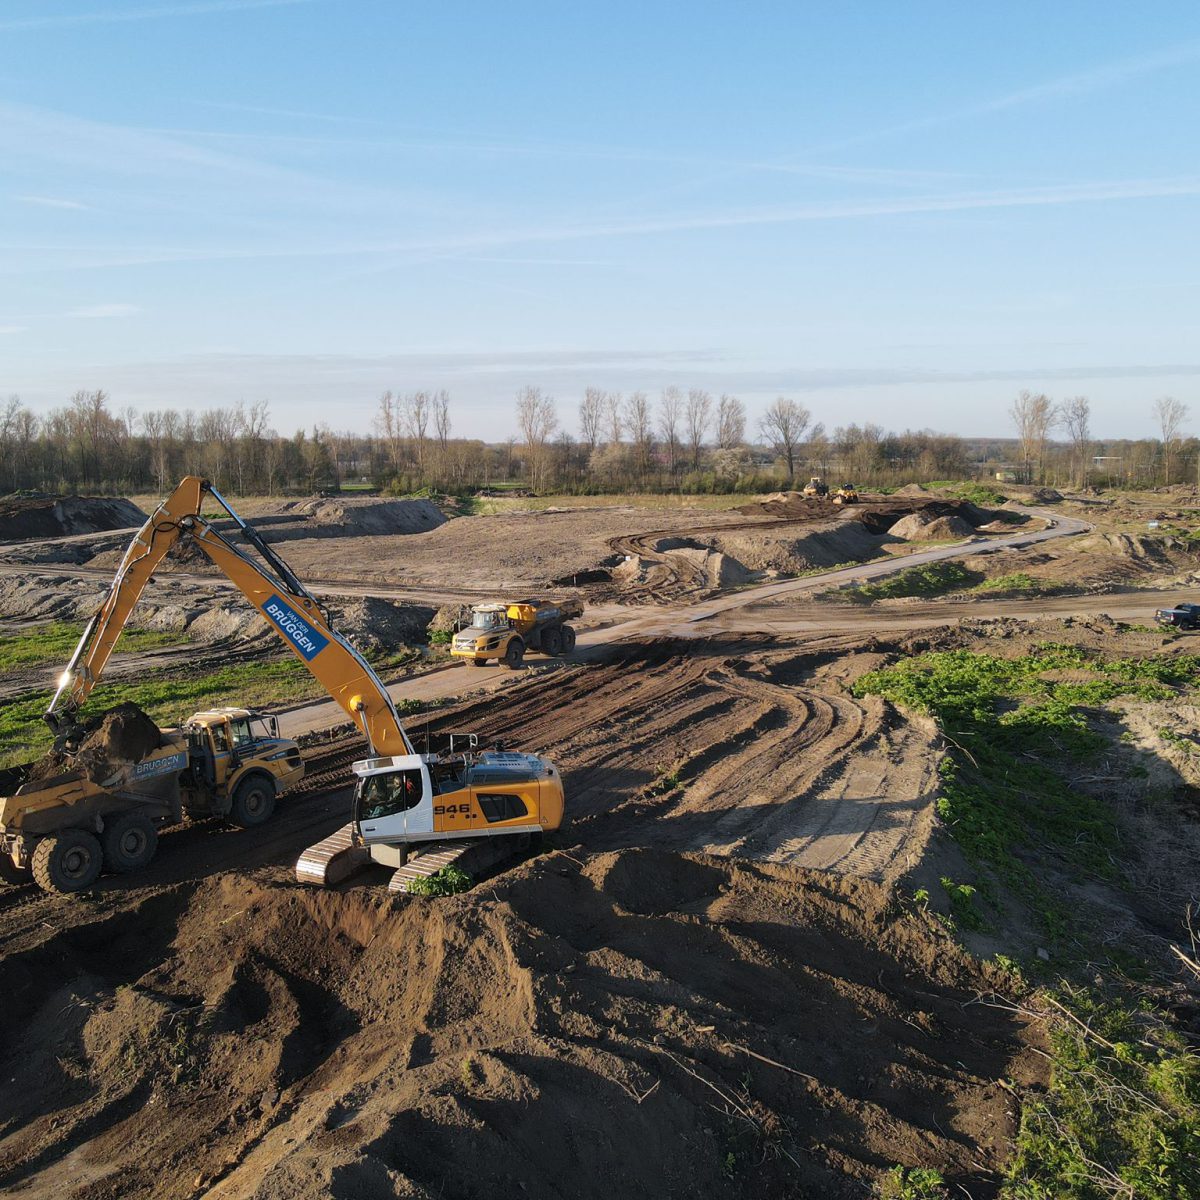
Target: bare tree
(417, 407)
(783, 426)
(614, 411)
(731, 422)
(1075, 415)
(637, 419)
(441, 425)
(1170, 414)
(388, 426)
(538, 420)
(670, 409)
(699, 414)
(591, 416)
(1034, 417)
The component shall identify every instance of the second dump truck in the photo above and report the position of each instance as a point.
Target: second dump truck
(505, 631)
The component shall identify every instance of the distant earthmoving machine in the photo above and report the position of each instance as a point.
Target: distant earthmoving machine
(846, 494)
(816, 488)
(403, 800)
(506, 631)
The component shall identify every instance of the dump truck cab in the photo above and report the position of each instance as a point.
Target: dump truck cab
(505, 631)
(238, 751)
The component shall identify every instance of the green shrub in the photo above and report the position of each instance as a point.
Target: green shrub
(447, 882)
(933, 579)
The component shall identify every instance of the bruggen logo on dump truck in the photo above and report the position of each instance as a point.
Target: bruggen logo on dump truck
(295, 628)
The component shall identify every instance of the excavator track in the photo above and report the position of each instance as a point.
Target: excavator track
(332, 859)
(470, 856)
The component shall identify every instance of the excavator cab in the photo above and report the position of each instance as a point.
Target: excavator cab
(393, 800)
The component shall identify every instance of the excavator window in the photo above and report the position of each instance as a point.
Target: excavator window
(447, 777)
(383, 795)
(502, 807)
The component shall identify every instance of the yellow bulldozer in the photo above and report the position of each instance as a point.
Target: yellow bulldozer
(506, 631)
(846, 494)
(816, 488)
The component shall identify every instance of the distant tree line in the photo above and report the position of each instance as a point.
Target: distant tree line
(679, 441)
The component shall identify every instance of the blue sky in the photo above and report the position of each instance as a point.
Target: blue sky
(901, 213)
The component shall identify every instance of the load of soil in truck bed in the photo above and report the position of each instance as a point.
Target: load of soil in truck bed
(110, 740)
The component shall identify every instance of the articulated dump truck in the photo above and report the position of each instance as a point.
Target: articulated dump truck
(506, 631)
(415, 813)
(128, 778)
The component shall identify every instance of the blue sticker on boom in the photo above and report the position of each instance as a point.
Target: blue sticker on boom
(295, 628)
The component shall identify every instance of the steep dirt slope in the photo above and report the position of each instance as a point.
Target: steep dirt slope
(667, 1024)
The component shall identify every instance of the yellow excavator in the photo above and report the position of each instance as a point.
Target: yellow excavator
(464, 807)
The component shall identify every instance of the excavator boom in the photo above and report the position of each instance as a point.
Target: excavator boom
(288, 607)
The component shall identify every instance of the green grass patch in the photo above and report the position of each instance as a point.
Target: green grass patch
(976, 493)
(55, 643)
(1013, 726)
(172, 699)
(1121, 1117)
(933, 579)
(24, 735)
(1018, 583)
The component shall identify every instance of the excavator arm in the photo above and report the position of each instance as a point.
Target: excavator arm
(287, 606)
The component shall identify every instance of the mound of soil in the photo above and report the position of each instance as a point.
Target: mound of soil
(374, 624)
(843, 542)
(921, 527)
(914, 489)
(686, 1025)
(121, 735)
(23, 518)
(370, 516)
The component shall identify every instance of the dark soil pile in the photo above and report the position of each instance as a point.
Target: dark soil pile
(674, 1024)
(121, 735)
(26, 517)
(383, 625)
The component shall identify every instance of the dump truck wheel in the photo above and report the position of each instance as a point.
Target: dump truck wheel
(10, 872)
(129, 842)
(552, 640)
(253, 802)
(67, 862)
(478, 662)
(515, 654)
(568, 639)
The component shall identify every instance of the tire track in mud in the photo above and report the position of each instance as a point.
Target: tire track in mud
(692, 748)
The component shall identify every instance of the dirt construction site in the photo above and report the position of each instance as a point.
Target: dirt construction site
(758, 958)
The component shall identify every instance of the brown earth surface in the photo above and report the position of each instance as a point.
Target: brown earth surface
(707, 986)
(35, 517)
(675, 1002)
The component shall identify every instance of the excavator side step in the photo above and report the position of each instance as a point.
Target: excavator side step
(470, 856)
(332, 860)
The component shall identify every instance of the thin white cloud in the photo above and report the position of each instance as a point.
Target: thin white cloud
(7, 329)
(53, 202)
(111, 16)
(1078, 83)
(1097, 78)
(102, 311)
(454, 244)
